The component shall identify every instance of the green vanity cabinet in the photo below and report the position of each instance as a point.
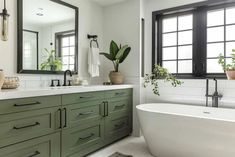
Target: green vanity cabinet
(69, 125)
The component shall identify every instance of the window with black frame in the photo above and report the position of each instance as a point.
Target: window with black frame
(65, 47)
(177, 40)
(220, 36)
(188, 43)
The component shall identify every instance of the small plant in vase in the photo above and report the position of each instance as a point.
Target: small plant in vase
(229, 69)
(160, 73)
(117, 55)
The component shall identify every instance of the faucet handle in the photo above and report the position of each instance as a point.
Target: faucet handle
(55, 80)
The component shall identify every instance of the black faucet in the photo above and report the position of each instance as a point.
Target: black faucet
(65, 77)
(215, 96)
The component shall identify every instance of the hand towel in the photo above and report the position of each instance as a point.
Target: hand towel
(94, 62)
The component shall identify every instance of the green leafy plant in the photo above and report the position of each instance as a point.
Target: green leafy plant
(227, 67)
(117, 54)
(160, 73)
(52, 62)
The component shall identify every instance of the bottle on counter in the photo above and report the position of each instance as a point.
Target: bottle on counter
(2, 78)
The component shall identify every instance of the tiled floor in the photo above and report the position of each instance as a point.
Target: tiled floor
(131, 146)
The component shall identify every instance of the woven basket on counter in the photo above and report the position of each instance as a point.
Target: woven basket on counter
(11, 83)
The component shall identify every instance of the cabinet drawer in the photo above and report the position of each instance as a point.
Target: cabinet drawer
(26, 125)
(85, 112)
(81, 97)
(26, 104)
(116, 128)
(48, 146)
(118, 93)
(119, 107)
(76, 140)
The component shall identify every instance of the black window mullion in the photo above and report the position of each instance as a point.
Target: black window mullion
(177, 48)
(159, 40)
(225, 35)
(200, 42)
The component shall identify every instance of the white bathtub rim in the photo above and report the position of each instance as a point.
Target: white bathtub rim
(206, 112)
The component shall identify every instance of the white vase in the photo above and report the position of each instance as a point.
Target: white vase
(2, 78)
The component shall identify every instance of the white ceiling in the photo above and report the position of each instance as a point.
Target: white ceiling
(52, 12)
(108, 2)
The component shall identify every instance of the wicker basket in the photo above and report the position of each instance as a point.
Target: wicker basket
(11, 83)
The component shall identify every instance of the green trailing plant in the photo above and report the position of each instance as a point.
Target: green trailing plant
(52, 62)
(160, 73)
(227, 67)
(117, 54)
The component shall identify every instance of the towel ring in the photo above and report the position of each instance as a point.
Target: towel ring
(94, 40)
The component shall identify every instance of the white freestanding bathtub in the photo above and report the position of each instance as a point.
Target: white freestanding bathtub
(173, 130)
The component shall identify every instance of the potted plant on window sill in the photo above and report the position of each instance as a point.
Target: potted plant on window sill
(117, 55)
(229, 69)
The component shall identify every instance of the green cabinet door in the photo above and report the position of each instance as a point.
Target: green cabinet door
(116, 127)
(118, 120)
(81, 97)
(47, 146)
(83, 139)
(23, 126)
(27, 104)
(84, 113)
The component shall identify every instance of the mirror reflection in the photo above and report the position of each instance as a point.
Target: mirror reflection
(49, 36)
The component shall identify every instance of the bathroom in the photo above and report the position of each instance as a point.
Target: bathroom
(42, 119)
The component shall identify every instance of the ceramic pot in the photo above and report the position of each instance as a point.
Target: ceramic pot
(2, 78)
(230, 75)
(116, 78)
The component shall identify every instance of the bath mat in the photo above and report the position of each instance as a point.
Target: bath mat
(117, 154)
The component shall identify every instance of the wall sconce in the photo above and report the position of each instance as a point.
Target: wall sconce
(4, 23)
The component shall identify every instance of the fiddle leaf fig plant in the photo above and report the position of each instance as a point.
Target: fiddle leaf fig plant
(160, 73)
(117, 54)
(227, 67)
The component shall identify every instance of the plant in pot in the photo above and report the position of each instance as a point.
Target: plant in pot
(117, 55)
(160, 73)
(229, 69)
(52, 62)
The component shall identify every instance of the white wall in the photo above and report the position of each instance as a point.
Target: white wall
(192, 91)
(122, 24)
(90, 21)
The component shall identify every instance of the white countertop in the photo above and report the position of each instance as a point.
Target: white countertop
(26, 93)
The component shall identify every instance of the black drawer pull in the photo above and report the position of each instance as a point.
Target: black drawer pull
(87, 137)
(28, 126)
(120, 106)
(106, 108)
(65, 117)
(120, 93)
(60, 112)
(28, 104)
(86, 114)
(119, 126)
(86, 97)
(35, 154)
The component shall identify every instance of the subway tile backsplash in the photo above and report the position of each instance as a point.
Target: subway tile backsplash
(40, 81)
